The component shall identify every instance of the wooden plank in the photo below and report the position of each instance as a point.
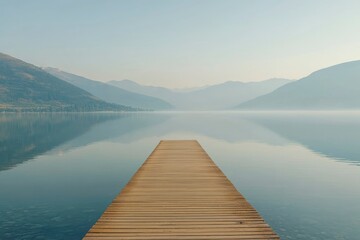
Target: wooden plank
(180, 193)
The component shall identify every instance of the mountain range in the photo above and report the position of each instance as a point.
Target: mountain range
(26, 87)
(216, 97)
(333, 88)
(111, 93)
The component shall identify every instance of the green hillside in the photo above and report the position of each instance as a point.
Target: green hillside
(25, 87)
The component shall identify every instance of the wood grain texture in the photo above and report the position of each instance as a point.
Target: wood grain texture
(179, 193)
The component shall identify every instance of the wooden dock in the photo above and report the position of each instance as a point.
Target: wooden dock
(179, 193)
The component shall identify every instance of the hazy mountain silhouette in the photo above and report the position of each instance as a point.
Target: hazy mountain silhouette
(335, 87)
(229, 94)
(25, 86)
(110, 93)
(160, 92)
(216, 97)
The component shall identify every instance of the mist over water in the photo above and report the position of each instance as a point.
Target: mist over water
(300, 170)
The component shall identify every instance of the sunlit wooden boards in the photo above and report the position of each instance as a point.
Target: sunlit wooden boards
(179, 193)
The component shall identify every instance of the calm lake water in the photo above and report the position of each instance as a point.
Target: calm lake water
(301, 171)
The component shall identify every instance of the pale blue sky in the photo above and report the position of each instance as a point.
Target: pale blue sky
(182, 43)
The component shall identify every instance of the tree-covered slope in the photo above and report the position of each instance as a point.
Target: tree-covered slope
(26, 87)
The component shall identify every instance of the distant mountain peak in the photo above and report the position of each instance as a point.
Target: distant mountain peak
(232, 82)
(128, 81)
(110, 93)
(333, 88)
(214, 97)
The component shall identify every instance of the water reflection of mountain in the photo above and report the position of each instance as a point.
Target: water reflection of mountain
(330, 134)
(24, 136)
(229, 127)
(130, 127)
(226, 127)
